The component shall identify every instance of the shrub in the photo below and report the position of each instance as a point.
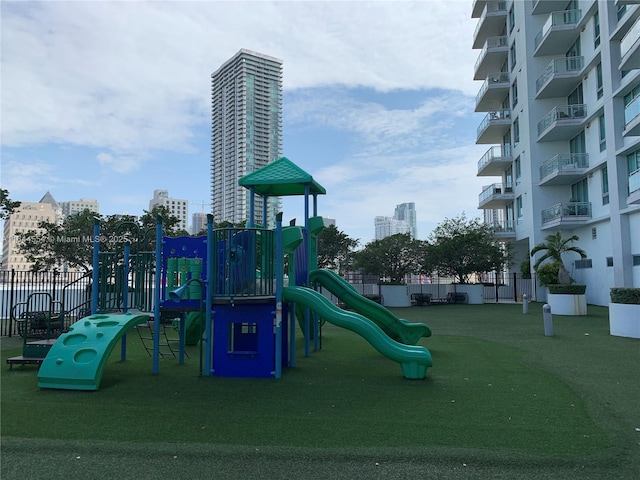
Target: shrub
(629, 296)
(548, 273)
(525, 268)
(568, 289)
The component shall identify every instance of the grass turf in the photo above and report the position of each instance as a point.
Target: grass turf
(501, 401)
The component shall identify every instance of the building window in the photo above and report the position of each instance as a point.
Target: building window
(596, 29)
(512, 19)
(584, 263)
(636, 260)
(622, 9)
(633, 161)
(519, 209)
(512, 55)
(518, 170)
(631, 96)
(580, 191)
(600, 89)
(514, 94)
(605, 186)
(594, 233)
(609, 261)
(516, 131)
(603, 133)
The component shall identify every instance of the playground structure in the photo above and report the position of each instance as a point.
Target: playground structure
(226, 291)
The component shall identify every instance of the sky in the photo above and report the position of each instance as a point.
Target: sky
(110, 100)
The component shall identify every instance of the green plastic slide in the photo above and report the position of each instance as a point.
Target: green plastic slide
(194, 327)
(413, 359)
(77, 360)
(399, 329)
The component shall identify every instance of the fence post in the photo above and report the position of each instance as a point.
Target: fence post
(11, 300)
(515, 287)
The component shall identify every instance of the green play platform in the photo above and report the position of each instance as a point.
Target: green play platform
(77, 359)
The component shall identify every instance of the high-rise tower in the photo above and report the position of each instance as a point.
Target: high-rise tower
(246, 103)
(561, 96)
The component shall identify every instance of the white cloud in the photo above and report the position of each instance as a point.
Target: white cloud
(131, 76)
(129, 80)
(120, 163)
(34, 177)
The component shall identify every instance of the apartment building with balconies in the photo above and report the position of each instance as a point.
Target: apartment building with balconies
(560, 98)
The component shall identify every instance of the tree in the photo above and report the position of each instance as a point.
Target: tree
(52, 245)
(335, 249)
(460, 248)
(392, 258)
(71, 243)
(554, 247)
(7, 206)
(169, 222)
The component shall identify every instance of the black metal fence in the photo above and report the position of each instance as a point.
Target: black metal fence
(60, 292)
(508, 287)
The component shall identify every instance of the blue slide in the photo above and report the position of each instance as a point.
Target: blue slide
(413, 359)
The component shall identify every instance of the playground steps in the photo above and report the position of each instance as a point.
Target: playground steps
(33, 353)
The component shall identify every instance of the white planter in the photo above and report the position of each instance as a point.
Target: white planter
(567, 304)
(624, 320)
(474, 291)
(395, 295)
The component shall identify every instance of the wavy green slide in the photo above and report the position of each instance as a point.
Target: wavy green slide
(399, 329)
(413, 359)
(77, 360)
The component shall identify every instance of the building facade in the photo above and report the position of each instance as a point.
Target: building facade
(407, 212)
(26, 217)
(198, 223)
(404, 220)
(387, 226)
(177, 207)
(76, 206)
(561, 100)
(246, 103)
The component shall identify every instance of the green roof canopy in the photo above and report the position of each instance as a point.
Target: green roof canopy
(281, 178)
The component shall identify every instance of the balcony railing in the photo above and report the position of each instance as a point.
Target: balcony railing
(563, 211)
(494, 116)
(560, 113)
(491, 43)
(492, 79)
(493, 153)
(632, 110)
(502, 227)
(564, 161)
(556, 19)
(634, 181)
(490, 9)
(495, 189)
(629, 40)
(559, 66)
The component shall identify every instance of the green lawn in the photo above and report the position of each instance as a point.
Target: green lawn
(501, 401)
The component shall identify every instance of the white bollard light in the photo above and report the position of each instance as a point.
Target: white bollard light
(525, 303)
(548, 320)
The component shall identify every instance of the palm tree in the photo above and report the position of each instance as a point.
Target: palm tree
(556, 247)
